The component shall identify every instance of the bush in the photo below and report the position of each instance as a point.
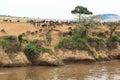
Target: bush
(20, 38)
(115, 38)
(64, 43)
(112, 45)
(10, 47)
(113, 42)
(101, 34)
(37, 42)
(97, 42)
(70, 43)
(32, 52)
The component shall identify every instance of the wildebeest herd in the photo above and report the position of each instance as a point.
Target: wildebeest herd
(50, 23)
(45, 27)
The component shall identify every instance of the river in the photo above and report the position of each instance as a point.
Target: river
(82, 71)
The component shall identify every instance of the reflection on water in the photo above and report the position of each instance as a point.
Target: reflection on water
(91, 71)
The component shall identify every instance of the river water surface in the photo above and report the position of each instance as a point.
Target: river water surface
(82, 71)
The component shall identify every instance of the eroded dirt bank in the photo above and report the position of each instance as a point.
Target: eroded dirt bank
(59, 58)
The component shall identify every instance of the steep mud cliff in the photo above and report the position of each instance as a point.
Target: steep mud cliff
(13, 59)
(58, 58)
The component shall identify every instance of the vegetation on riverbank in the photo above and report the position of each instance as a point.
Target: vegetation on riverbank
(81, 42)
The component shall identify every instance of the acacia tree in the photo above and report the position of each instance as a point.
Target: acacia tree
(112, 27)
(80, 10)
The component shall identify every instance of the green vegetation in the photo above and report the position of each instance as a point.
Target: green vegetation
(10, 44)
(99, 43)
(82, 39)
(20, 38)
(75, 43)
(101, 34)
(80, 10)
(40, 45)
(32, 52)
(34, 48)
(113, 42)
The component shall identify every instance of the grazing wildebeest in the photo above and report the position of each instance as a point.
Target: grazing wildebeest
(23, 34)
(18, 20)
(32, 33)
(70, 28)
(68, 33)
(40, 30)
(36, 32)
(3, 30)
(38, 23)
(31, 22)
(44, 25)
(5, 20)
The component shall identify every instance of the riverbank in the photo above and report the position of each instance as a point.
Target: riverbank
(57, 45)
(61, 57)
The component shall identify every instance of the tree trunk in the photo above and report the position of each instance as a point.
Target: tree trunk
(111, 34)
(112, 31)
(79, 17)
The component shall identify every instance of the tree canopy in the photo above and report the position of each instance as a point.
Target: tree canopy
(80, 10)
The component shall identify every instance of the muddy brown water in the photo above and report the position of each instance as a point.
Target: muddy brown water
(82, 71)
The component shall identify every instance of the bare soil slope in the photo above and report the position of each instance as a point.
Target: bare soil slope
(15, 28)
(19, 28)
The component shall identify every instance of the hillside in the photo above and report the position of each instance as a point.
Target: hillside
(20, 28)
(108, 17)
(15, 28)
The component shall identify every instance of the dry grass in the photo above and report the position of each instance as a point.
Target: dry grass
(101, 28)
(15, 28)
(19, 28)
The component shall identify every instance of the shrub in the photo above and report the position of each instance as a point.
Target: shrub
(10, 38)
(32, 52)
(61, 42)
(10, 47)
(25, 41)
(101, 34)
(97, 42)
(66, 43)
(70, 43)
(37, 42)
(112, 42)
(76, 34)
(115, 38)
(20, 38)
